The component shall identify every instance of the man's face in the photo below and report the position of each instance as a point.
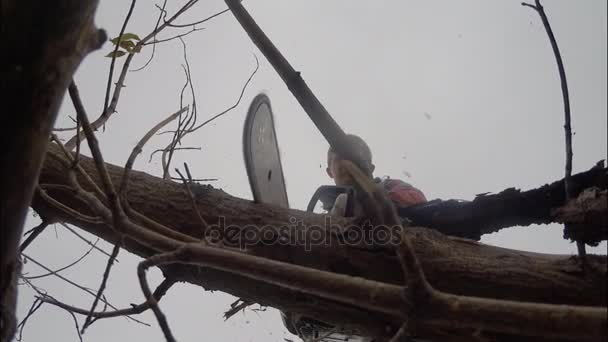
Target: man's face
(337, 173)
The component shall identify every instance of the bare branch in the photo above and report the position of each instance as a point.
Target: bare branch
(177, 149)
(181, 35)
(160, 291)
(525, 4)
(567, 125)
(185, 124)
(238, 101)
(201, 21)
(69, 211)
(35, 232)
(95, 151)
(65, 279)
(141, 273)
(197, 179)
(294, 82)
(111, 72)
(64, 267)
(102, 287)
(139, 147)
(118, 215)
(235, 307)
(86, 240)
(162, 9)
(66, 129)
(35, 306)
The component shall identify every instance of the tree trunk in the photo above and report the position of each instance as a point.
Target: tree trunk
(42, 43)
(454, 265)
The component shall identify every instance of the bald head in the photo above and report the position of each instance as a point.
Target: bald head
(362, 151)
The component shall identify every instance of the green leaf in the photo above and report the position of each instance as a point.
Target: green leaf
(129, 36)
(127, 45)
(125, 37)
(118, 53)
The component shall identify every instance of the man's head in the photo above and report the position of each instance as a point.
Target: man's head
(339, 175)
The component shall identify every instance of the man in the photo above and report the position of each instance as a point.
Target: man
(401, 193)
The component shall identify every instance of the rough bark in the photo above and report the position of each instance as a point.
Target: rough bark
(42, 44)
(586, 215)
(453, 265)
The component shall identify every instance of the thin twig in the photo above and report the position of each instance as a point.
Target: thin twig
(187, 123)
(538, 7)
(87, 290)
(64, 267)
(194, 29)
(204, 224)
(139, 147)
(238, 101)
(143, 282)
(86, 240)
(76, 325)
(154, 36)
(177, 148)
(77, 156)
(102, 287)
(198, 179)
(187, 172)
(66, 129)
(236, 306)
(67, 210)
(160, 291)
(43, 295)
(35, 232)
(35, 306)
(201, 21)
(113, 62)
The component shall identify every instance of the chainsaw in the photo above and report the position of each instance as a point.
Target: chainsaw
(267, 182)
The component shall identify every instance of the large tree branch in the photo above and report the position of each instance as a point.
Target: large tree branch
(453, 265)
(511, 207)
(43, 42)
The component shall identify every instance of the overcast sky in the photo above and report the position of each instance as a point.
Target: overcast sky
(457, 97)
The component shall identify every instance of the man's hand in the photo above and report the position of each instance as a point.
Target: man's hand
(339, 208)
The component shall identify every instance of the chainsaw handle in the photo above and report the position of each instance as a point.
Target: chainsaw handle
(327, 194)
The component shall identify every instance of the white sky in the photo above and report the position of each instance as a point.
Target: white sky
(483, 71)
